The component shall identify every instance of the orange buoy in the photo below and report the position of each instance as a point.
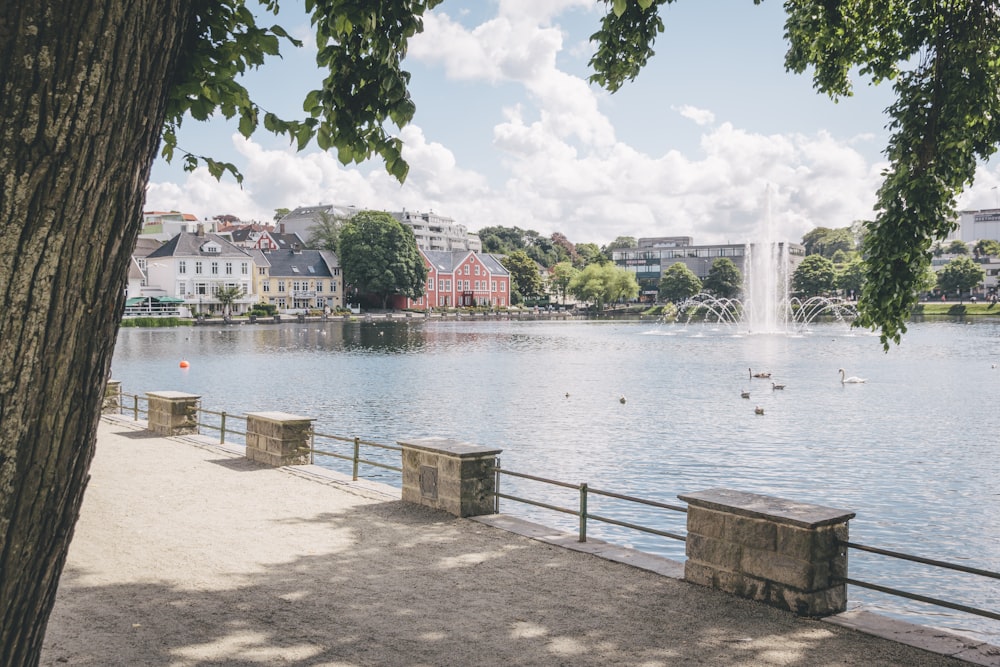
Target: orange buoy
(184, 364)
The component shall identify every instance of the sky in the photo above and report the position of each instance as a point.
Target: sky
(714, 139)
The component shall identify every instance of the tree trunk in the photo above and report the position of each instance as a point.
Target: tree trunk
(82, 93)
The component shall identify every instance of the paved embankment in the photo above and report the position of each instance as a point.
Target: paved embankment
(187, 554)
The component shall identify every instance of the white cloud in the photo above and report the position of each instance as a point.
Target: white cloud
(556, 163)
(699, 116)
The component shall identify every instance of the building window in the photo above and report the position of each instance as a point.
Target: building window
(466, 269)
(181, 289)
(197, 268)
(182, 266)
(319, 286)
(261, 271)
(281, 285)
(266, 286)
(477, 269)
(493, 286)
(201, 288)
(244, 268)
(430, 284)
(229, 268)
(215, 268)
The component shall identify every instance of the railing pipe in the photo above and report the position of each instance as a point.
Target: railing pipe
(357, 456)
(583, 512)
(222, 428)
(135, 407)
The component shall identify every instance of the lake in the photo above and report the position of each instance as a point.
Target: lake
(913, 450)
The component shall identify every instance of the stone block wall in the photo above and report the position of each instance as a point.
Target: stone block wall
(782, 552)
(172, 412)
(449, 475)
(278, 438)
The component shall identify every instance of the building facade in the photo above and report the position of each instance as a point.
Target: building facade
(298, 280)
(432, 231)
(195, 267)
(653, 256)
(457, 279)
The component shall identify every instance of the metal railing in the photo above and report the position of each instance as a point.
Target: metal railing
(130, 404)
(355, 457)
(954, 567)
(582, 513)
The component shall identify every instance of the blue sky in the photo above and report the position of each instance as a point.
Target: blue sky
(509, 132)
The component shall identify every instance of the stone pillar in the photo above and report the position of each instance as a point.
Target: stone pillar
(172, 412)
(781, 552)
(278, 438)
(449, 475)
(112, 397)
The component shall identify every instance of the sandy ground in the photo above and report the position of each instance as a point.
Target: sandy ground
(187, 554)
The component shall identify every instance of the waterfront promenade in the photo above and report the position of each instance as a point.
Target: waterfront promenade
(188, 554)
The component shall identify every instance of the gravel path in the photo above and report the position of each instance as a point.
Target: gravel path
(187, 554)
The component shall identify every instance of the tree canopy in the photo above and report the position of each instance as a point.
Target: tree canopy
(526, 281)
(724, 280)
(815, 276)
(601, 284)
(960, 275)
(679, 283)
(379, 256)
(325, 234)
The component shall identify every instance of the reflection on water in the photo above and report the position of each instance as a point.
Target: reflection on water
(913, 451)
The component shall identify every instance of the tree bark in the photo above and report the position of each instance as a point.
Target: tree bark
(82, 93)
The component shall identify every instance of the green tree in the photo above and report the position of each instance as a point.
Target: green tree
(814, 276)
(379, 256)
(960, 275)
(83, 116)
(957, 247)
(325, 234)
(850, 276)
(624, 286)
(679, 283)
(526, 281)
(601, 284)
(227, 296)
(621, 242)
(827, 242)
(562, 275)
(589, 253)
(724, 280)
(280, 213)
(987, 248)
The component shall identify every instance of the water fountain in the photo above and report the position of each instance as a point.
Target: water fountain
(767, 305)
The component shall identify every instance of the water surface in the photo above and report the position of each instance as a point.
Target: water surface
(913, 450)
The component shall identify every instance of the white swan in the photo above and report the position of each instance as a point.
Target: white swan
(850, 380)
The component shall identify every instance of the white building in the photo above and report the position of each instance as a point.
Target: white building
(983, 225)
(195, 267)
(432, 231)
(438, 232)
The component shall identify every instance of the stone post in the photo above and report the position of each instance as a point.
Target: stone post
(781, 552)
(112, 397)
(449, 475)
(278, 438)
(172, 412)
